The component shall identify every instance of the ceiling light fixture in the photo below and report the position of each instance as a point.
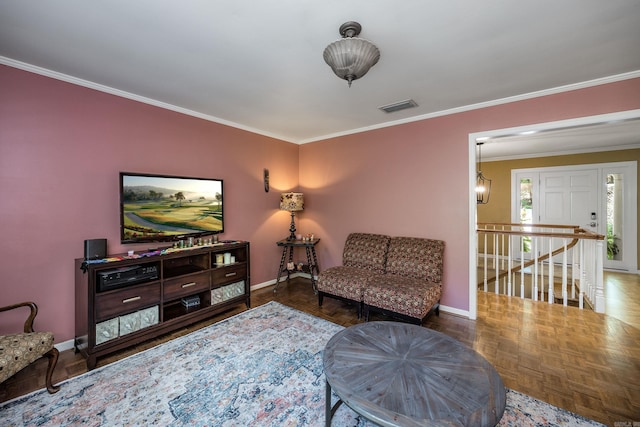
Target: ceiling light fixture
(351, 57)
(483, 184)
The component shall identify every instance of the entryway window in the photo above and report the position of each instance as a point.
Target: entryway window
(615, 210)
(526, 210)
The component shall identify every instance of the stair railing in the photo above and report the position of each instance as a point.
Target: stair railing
(527, 250)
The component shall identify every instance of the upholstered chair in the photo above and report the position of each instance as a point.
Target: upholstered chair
(18, 351)
(364, 256)
(412, 284)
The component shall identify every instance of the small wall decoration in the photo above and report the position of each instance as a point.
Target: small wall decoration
(266, 180)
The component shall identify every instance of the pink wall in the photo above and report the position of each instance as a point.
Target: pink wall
(61, 148)
(412, 179)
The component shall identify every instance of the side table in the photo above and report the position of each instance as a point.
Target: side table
(288, 246)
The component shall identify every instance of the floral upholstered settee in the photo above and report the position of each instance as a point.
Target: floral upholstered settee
(398, 276)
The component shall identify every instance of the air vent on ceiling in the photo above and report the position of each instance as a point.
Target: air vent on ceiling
(400, 105)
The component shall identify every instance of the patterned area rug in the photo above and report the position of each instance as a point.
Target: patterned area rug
(262, 367)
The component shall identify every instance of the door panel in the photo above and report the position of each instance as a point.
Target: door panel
(553, 209)
(569, 197)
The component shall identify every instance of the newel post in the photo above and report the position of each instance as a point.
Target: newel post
(599, 299)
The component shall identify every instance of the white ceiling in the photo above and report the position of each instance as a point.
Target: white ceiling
(558, 139)
(258, 65)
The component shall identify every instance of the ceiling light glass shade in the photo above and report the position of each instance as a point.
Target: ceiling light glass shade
(351, 57)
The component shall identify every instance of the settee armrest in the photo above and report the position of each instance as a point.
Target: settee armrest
(28, 324)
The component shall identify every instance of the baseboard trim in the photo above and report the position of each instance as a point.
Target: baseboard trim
(65, 345)
(454, 311)
(282, 279)
(444, 308)
(622, 271)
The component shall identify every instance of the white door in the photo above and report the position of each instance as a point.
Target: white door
(570, 197)
(554, 196)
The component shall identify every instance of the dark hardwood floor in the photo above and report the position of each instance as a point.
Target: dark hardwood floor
(579, 360)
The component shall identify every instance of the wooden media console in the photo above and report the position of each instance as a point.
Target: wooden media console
(125, 300)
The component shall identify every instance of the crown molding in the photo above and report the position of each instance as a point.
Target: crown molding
(117, 92)
(495, 102)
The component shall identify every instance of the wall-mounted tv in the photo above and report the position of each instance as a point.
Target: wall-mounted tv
(157, 208)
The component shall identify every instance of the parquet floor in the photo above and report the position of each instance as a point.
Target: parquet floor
(579, 360)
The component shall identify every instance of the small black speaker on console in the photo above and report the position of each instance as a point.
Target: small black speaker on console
(95, 248)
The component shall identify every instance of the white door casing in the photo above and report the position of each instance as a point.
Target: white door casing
(577, 195)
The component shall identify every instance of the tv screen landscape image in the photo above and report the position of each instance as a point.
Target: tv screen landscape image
(166, 208)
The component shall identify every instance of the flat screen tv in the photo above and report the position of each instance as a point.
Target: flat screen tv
(156, 208)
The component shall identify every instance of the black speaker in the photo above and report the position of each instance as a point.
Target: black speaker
(95, 248)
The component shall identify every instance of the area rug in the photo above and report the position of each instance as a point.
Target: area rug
(262, 367)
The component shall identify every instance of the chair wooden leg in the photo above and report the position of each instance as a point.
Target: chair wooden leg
(52, 355)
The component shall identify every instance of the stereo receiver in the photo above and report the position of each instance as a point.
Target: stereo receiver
(126, 276)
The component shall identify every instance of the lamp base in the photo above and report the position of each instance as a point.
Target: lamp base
(292, 228)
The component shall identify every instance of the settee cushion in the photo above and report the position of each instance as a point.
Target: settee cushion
(366, 251)
(402, 295)
(344, 282)
(17, 351)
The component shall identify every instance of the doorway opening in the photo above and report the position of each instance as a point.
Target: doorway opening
(578, 123)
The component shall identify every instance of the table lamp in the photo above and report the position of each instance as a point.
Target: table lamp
(292, 202)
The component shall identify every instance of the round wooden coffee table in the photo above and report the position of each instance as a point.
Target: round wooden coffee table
(397, 374)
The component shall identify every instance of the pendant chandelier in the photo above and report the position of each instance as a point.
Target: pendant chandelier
(483, 185)
(351, 57)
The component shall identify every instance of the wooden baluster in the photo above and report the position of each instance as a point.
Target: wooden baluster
(478, 264)
(564, 273)
(486, 270)
(590, 270)
(574, 270)
(509, 269)
(550, 272)
(599, 292)
(502, 246)
(589, 267)
(543, 285)
(495, 251)
(583, 276)
(495, 263)
(521, 266)
(534, 277)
